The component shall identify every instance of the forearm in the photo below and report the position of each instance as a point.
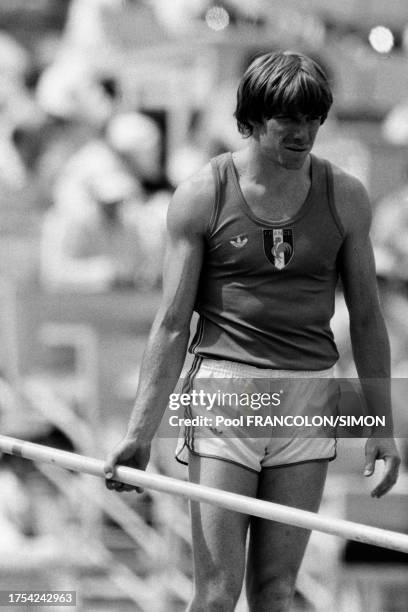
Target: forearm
(371, 351)
(162, 363)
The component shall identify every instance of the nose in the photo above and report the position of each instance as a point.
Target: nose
(301, 130)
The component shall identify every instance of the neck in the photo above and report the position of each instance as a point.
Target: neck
(260, 167)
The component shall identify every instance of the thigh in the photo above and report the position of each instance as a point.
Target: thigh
(276, 550)
(219, 535)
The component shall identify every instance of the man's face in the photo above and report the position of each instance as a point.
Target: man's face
(288, 139)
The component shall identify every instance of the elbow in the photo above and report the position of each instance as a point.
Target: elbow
(173, 323)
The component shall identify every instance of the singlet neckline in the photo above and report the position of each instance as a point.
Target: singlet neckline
(279, 222)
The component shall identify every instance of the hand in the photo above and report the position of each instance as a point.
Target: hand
(129, 452)
(382, 448)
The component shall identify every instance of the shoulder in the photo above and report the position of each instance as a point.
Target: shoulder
(192, 203)
(351, 201)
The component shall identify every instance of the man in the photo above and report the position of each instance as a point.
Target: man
(102, 230)
(262, 315)
(86, 245)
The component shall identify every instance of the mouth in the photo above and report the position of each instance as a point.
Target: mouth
(296, 149)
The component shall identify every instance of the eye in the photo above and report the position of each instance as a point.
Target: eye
(285, 118)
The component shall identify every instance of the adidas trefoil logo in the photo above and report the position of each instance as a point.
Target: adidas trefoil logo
(239, 242)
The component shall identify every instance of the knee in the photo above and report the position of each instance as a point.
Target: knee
(219, 597)
(273, 594)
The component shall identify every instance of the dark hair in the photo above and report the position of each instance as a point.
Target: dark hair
(281, 83)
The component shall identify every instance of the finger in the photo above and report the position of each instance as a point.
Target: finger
(109, 467)
(371, 454)
(127, 488)
(369, 465)
(123, 487)
(390, 476)
(113, 485)
(119, 487)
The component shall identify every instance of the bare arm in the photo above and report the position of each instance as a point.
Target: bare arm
(166, 348)
(368, 333)
(188, 219)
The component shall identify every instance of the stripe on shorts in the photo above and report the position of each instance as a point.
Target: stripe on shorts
(187, 388)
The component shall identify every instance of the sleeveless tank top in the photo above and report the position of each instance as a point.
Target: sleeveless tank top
(266, 291)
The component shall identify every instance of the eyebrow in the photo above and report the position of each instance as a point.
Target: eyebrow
(295, 116)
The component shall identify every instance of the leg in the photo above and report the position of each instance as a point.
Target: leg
(219, 536)
(276, 550)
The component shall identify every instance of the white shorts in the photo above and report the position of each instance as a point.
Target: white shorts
(266, 448)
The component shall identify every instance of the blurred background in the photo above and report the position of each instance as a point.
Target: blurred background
(105, 106)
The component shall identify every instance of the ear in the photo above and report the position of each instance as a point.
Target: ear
(258, 129)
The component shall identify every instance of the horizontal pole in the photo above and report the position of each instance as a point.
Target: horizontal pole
(232, 501)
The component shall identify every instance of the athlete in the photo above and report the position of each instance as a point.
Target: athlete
(257, 240)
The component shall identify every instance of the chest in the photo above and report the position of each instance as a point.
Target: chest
(307, 247)
(274, 204)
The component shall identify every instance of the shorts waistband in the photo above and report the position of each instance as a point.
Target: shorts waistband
(235, 368)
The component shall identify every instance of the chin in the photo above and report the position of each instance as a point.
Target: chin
(295, 162)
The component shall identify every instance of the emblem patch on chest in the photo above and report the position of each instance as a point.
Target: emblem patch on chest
(240, 241)
(278, 246)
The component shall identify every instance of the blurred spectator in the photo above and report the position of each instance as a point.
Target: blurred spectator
(219, 119)
(86, 245)
(85, 32)
(395, 125)
(136, 139)
(13, 58)
(78, 90)
(18, 112)
(72, 85)
(24, 545)
(72, 90)
(191, 155)
(100, 233)
(389, 233)
(179, 14)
